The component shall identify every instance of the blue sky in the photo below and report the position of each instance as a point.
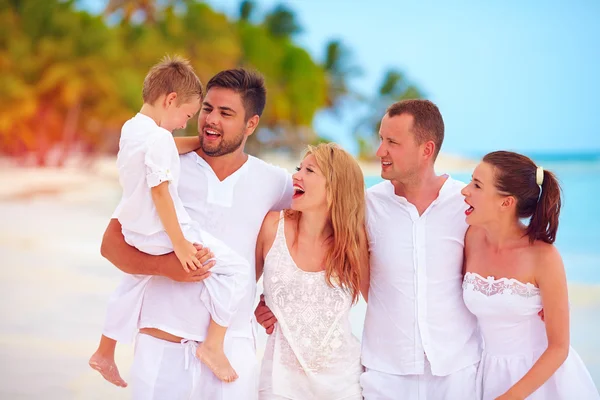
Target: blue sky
(520, 75)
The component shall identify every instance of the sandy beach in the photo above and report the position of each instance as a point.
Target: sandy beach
(55, 284)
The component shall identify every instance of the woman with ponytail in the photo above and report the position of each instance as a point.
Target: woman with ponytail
(315, 261)
(512, 271)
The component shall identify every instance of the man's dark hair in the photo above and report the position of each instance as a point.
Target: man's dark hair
(427, 120)
(249, 84)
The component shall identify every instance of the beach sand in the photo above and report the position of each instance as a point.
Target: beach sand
(55, 284)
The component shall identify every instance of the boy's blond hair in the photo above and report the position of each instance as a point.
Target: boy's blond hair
(171, 74)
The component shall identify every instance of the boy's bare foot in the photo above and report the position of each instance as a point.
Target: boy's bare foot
(107, 368)
(217, 361)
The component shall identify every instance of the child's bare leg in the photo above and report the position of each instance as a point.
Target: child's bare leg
(210, 352)
(103, 361)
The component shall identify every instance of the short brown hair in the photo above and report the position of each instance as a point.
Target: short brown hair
(249, 84)
(171, 74)
(428, 123)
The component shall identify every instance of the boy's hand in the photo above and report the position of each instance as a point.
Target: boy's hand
(205, 256)
(186, 253)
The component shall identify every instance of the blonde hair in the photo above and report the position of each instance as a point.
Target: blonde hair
(171, 74)
(345, 189)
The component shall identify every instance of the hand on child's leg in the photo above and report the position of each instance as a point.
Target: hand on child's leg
(186, 253)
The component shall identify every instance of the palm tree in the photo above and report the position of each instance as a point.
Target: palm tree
(339, 69)
(281, 22)
(129, 8)
(394, 87)
(56, 88)
(247, 8)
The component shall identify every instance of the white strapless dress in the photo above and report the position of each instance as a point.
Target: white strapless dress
(515, 337)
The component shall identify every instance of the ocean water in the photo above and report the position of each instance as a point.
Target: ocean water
(578, 240)
(578, 237)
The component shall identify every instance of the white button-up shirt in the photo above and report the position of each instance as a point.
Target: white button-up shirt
(415, 307)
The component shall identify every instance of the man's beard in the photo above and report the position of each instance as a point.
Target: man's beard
(224, 147)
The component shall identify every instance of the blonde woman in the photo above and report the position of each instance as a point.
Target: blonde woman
(314, 258)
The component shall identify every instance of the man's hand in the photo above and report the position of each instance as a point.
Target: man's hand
(186, 253)
(205, 256)
(264, 316)
(206, 259)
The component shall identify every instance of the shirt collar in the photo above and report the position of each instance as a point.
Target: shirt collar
(145, 118)
(445, 191)
(203, 164)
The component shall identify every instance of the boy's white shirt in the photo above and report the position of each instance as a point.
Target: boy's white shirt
(147, 157)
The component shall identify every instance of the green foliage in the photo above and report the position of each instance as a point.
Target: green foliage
(340, 69)
(394, 87)
(246, 9)
(56, 63)
(281, 22)
(71, 78)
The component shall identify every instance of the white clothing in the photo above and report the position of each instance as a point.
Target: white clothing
(312, 353)
(515, 337)
(147, 157)
(458, 385)
(123, 310)
(415, 308)
(175, 307)
(234, 213)
(183, 309)
(163, 370)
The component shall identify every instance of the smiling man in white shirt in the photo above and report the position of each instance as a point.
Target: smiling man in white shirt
(228, 193)
(419, 341)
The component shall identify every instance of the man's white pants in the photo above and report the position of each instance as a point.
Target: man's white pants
(459, 385)
(164, 370)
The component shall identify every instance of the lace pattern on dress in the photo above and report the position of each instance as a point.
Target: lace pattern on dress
(491, 286)
(311, 311)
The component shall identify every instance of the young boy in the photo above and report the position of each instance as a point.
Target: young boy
(155, 222)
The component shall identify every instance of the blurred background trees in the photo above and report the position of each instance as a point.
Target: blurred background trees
(70, 78)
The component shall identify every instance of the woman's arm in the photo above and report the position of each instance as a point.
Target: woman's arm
(132, 261)
(260, 259)
(264, 242)
(184, 250)
(551, 279)
(266, 237)
(186, 144)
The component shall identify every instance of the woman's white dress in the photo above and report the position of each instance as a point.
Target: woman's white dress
(515, 337)
(312, 353)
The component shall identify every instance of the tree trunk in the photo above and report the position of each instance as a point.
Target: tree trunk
(69, 133)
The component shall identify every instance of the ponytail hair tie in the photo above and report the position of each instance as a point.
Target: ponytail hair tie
(539, 176)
